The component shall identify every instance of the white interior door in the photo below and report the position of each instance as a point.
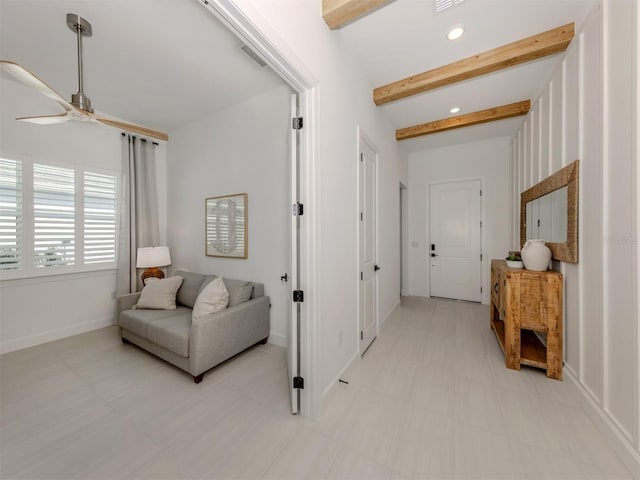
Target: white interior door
(455, 240)
(293, 354)
(368, 291)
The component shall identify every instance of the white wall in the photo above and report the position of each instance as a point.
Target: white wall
(244, 148)
(41, 309)
(588, 111)
(487, 160)
(345, 102)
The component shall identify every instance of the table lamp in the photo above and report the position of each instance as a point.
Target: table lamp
(152, 258)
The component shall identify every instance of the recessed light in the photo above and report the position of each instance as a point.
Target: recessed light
(455, 110)
(455, 32)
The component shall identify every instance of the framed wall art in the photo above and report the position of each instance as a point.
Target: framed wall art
(226, 220)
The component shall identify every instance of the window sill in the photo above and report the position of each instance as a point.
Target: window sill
(61, 274)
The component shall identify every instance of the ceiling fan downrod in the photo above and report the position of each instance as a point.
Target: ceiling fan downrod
(81, 27)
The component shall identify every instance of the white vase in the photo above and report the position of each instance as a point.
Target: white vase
(536, 255)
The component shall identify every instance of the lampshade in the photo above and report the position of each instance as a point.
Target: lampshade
(149, 257)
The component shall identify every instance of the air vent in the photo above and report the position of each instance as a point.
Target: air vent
(442, 5)
(255, 56)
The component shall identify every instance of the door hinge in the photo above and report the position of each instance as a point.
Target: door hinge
(361, 276)
(480, 257)
(296, 123)
(298, 296)
(480, 289)
(298, 382)
(361, 216)
(480, 223)
(480, 192)
(361, 335)
(298, 209)
(361, 156)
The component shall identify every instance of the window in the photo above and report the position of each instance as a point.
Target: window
(55, 219)
(10, 214)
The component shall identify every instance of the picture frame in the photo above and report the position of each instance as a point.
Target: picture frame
(226, 222)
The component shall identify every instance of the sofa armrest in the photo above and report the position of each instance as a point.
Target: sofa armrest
(221, 335)
(125, 302)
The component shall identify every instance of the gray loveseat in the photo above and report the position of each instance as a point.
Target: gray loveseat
(197, 346)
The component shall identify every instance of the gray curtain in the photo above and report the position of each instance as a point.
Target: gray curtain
(138, 210)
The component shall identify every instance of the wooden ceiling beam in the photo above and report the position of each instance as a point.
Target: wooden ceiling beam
(482, 116)
(506, 56)
(337, 13)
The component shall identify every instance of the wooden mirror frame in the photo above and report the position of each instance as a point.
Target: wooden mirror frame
(568, 176)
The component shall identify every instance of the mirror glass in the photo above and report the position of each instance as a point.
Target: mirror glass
(549, 211)
(547, 216)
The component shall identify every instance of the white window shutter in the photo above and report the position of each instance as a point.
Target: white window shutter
(10, 214)
(100, 193)
(53, 216)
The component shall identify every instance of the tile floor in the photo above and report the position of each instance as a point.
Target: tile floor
(430, 399)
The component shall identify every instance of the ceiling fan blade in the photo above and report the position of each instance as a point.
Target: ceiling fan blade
(147, 132)
(30, 80)
(47, 119)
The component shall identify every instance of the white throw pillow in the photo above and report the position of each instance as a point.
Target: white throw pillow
(160, 294)
(213, 298)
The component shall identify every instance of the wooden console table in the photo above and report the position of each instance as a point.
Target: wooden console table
(524, 302)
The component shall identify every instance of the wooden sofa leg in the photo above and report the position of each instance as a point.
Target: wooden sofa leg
(264, 341)
(198, 378)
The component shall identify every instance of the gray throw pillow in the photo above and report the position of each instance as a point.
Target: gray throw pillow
(239, 291)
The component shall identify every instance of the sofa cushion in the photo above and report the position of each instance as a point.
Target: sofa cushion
(239, 290)
(159, 294)
(137, 321)
(213, 298)
(172, 333)
(190, 287)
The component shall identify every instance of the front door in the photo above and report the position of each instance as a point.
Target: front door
(368, 286)
(455, 240)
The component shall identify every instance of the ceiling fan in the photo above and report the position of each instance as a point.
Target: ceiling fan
(80, 106)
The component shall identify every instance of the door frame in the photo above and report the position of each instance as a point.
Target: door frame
(249, 26)
(485, 261)
(363, 137)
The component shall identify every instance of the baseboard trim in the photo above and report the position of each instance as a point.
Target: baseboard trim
(328, 392)
(51, 335)
(278, 339)
(629, 456)
(395, 305)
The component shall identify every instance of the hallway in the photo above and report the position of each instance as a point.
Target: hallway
(431, 398)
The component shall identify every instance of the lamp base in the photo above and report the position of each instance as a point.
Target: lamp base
(152, 272)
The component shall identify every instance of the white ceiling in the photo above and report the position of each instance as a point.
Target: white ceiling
(158, 63)
(407, 37)
(166, 63)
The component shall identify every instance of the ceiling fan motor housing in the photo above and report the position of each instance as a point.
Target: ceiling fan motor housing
(81, 101)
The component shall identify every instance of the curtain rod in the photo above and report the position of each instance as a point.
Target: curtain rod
(141, 139)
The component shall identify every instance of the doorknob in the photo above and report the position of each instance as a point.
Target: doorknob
(434, 254)
(376, 268)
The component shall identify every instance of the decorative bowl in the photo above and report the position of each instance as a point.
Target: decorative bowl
(515, 264)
